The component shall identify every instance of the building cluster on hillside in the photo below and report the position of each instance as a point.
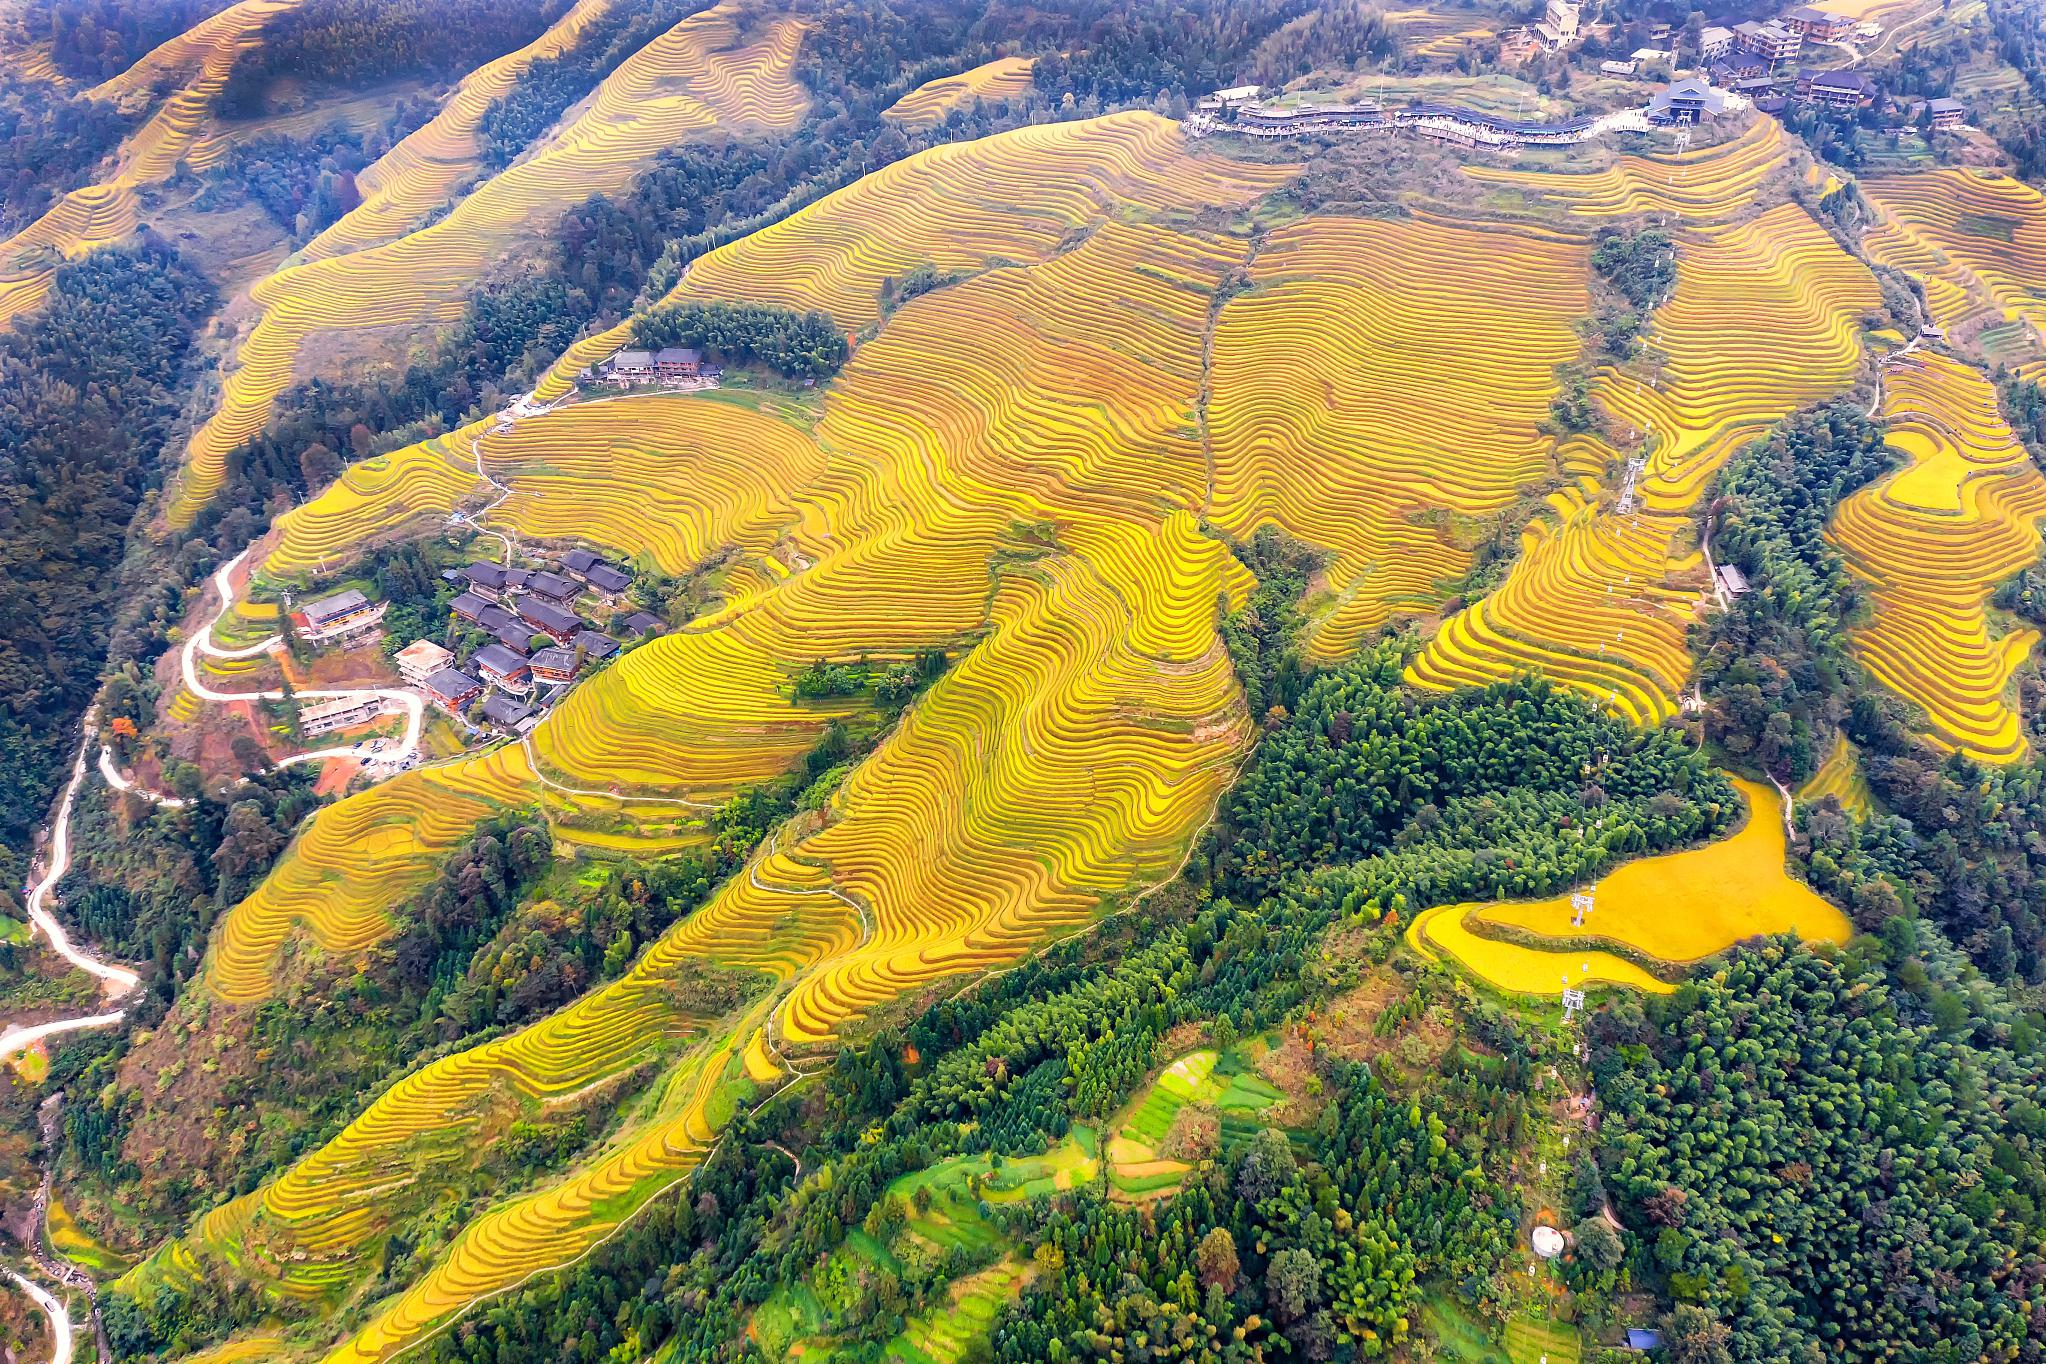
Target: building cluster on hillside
(1735, 67)
(671, 367)
(534, 641)
(1238, 111)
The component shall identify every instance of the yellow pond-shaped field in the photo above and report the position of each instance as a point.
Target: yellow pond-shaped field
(1678, 908)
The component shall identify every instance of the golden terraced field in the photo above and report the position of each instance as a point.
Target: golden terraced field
(1932, 541)
(706, 72)
(424, 170)
(1379, 371)
(1602, 602)
(1002, 78)
(1027, 501)
(1047, 505)
(666, 476)
(199, 61)
(1839, 776)
(1976, 243)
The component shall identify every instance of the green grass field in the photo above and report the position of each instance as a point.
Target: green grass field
(1466, 1340)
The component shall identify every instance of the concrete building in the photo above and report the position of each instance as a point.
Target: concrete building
(421, 659)
(1773, 41)
(1821, 26)
(1714, 43)
(629, 367)
(345, 615)
(1559, 24)
(344, 712)
(1689, 100)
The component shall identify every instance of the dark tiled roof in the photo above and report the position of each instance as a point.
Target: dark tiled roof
(484, 575)
(552, 586)
(643, 623)
(548, 616)
(579, 560)
(500, 660)
(595, 645)
(556, 659)
(505, 710)
(468, 604)
(329, 608)
(605, 578)
(452, 682)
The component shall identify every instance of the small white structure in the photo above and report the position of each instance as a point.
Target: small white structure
(1547, 1241)
(1580, 905)
(1732, 581)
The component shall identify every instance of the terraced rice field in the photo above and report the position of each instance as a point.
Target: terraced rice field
(376, 497)
(1678, 908)
(1839, 776)
(358, 860)
(1723, 385)
(665, 476)
(1137, 1166)
(1708, 185)
(1517, 969)
(425, 169)
(1932, 541)
(942, 1335)
(1003, 78)
(1427, 33)
(1433, 350)
(1028, 500)
(1596, 601)
(199, 61)
(1976, 243)
(1015, 197)
(702, 74)
(1599, 601)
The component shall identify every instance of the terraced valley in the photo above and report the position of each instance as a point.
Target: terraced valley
(946, 681)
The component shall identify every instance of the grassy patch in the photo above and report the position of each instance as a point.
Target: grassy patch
(1988, 225)
(1463, 1338)
(1531, 1342)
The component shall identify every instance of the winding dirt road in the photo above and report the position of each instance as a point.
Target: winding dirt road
(60, 1319)
(202, 642)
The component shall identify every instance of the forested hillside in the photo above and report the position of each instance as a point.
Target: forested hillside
(88, 392)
